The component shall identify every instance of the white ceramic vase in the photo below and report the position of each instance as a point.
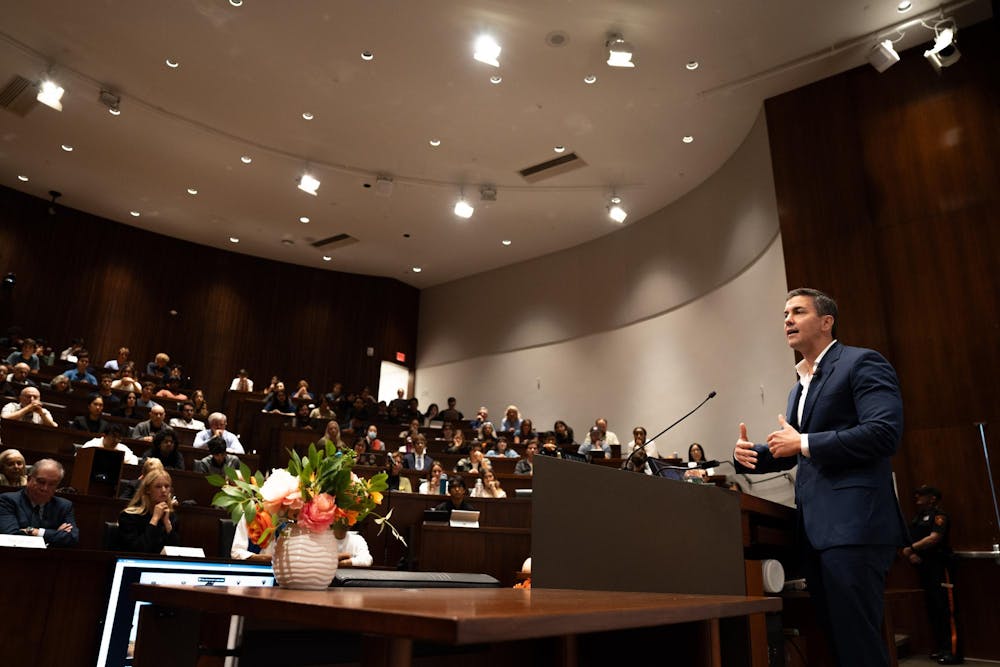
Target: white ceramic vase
(305, 560)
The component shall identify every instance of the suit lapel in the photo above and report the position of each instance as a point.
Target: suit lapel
(826, 368)
(792, 413)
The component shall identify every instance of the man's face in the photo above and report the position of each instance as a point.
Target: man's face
(42, 485)
(804, 327)
(531, 449)
(451, 402)
(27, 350)
(82, 363)
(105, 383)
(457, 493)
(924, 501)
(602, 424)
(21, 372)
(188, 411)
(147, 391)
(219, 424)
(419, 446)
(219, 458)
(30, 395)
(156, 416)
(111, 440)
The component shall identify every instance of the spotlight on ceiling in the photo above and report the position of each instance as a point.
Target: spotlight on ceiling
(463, 208)
(50, 94)
(615, 209)
(10, 280)
(883, 56)
(945, 52)
(308, 184)
(487, 50)
(111, 101)
(619, 52)
(487, 192)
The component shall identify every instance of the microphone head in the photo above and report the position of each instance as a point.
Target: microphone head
(712, 395)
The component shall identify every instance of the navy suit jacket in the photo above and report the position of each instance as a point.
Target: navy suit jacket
(854, 417)
(15, 514)
(410, 461)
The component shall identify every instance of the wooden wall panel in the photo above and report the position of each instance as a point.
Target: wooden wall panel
(79, 275)
(888, 193)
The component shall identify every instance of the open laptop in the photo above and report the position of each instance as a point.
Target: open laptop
(464, 519)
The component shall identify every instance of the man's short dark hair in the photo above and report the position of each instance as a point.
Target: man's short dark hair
(115, 429)
(457, 480)
(187, 403)
(83, 354)
(217, 445)
(825, 305)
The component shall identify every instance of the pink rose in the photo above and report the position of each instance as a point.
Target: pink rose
(319, 513)
(279, 489)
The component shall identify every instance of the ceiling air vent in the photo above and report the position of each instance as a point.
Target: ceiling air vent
(18, 96)
(336, 241)
(553, 167)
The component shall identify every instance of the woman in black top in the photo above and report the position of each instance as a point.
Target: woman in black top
(149, 523)
(564, 434)
(92, 421)
(165, 448)
(128, 408)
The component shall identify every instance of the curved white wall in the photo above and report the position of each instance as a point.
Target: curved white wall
(637, 326)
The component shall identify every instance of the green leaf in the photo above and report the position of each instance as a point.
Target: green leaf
(230, 473)
(259, 476)
(215, 480)
(236, 513)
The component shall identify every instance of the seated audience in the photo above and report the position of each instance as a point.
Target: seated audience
(129, 408)
(126, 380)
(128, 487)
(72, 352)
(92, 422)
(82, 373)
(431, 486)
(159, 367)
(456, 496)
(394, 477)
(18, 380)
(217, 460)
(26, 356)
(608, 436)
(458, 444)
(418, 459)
(487, 435)
(302, 392)
(119, 362)
(352, 549)
(332, 435)
(301, 418)
(362, 452)
(166, 449)
(324, 411)
(564, 434)
(111, 400)
(145, 430)
(244, 549)
(549, 446)
(187, 420)
(637, 462)
(525, 433)
(112, 439)
(432, 414)
(525, 466)
(639, 440)
(475, 462)
(374, 444)
(145, 400)
(695, 453)
(149, 523)
(61, 384)
(451, 414)
(512, 420)
(502, 450)
(279, 403)
(241, 382)
(200, 406)
(399, 404)
(172, 392)
(217, 423)
(12, 468)
(28, 409)
(489, 486)
(36, 510)
(594, 444)
(482, 416)
(407, 436)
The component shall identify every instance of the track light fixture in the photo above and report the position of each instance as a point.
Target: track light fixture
(111, 101)
(619, 52)
(487, 192)
(615, 209)
(50, 94)
(308, 184)
(883, 56)
(487, 51)
(944, 53)
(463, 208)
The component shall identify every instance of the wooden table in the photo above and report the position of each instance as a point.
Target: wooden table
(392, 619)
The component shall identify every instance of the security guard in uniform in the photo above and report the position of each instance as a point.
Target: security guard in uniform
(933, 559)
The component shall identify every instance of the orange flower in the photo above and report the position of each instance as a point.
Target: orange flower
(256, 528)
(377, 497)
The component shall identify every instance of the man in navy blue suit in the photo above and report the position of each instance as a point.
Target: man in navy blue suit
(845, 418)
(35, 510)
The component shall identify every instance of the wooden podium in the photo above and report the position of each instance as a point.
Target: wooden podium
(96, 471)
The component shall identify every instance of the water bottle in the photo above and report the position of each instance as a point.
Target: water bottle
(479, 487)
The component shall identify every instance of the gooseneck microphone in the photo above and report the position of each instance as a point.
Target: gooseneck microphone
(649, 440)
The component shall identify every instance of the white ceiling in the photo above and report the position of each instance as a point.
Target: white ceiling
(248, 73)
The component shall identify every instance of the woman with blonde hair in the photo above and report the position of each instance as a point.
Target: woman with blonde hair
(149, 522)
(12, 468)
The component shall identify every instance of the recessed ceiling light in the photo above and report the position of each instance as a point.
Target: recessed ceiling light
(233, 239)
(495, 79)
(487, 50)
(172, 64)
(417, 269)
(192, 191)
(367, 55)
(327, 258)
(687, 139)
(304, 220)
(114, 111)
(22, 177)
(246, 159)
(236, 3)
(904, 6)
(506, 242)
(134, 214)
(67, 148)
(692, 65)
(308, 116)
(589, 79)
(435, 142)
(559, 149)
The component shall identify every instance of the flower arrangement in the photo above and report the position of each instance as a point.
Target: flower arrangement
(318, 492)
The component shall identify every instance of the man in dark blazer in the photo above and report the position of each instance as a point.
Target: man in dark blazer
(418, 459)
(35, 510)
(845, 419)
